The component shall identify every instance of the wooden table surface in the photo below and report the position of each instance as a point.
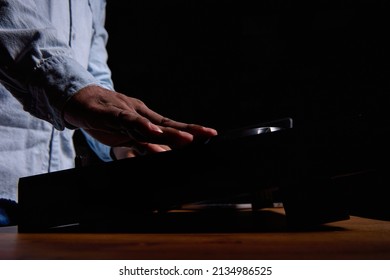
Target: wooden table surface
(267, 237)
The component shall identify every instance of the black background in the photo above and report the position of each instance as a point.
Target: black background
(233, 63)
(228, 64)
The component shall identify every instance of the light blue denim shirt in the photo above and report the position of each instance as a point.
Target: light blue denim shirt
(49, 49)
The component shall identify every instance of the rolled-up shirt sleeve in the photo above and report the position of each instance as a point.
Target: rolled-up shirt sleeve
(35, 65)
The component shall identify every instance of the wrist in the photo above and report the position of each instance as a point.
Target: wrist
(112, 154)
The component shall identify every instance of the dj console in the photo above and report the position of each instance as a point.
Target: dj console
(303, 169)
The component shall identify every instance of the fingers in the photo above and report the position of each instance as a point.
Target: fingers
(118, 120)
(136, 126)
(141, 136)
(141, 130)
(194, 129)
(148, 148)
(169, 136)
(129, 152)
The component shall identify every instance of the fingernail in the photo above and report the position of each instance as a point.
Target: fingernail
(155, 128)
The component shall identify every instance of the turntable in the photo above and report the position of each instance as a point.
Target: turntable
(230, 169)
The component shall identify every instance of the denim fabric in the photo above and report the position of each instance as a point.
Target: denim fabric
(4, 219)
(8, 212)
(49, 49)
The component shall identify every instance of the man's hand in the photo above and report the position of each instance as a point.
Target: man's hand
(118, 120)
(128, 152)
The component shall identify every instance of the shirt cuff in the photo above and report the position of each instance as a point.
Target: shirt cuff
(55, 81)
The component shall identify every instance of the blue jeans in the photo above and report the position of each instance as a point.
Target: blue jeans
(8, 212)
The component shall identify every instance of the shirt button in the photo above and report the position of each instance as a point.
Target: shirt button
(73, 36)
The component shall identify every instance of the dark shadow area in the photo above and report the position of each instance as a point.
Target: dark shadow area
(367, 194)
(231, 64)
(206, 221)
(234, 63)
